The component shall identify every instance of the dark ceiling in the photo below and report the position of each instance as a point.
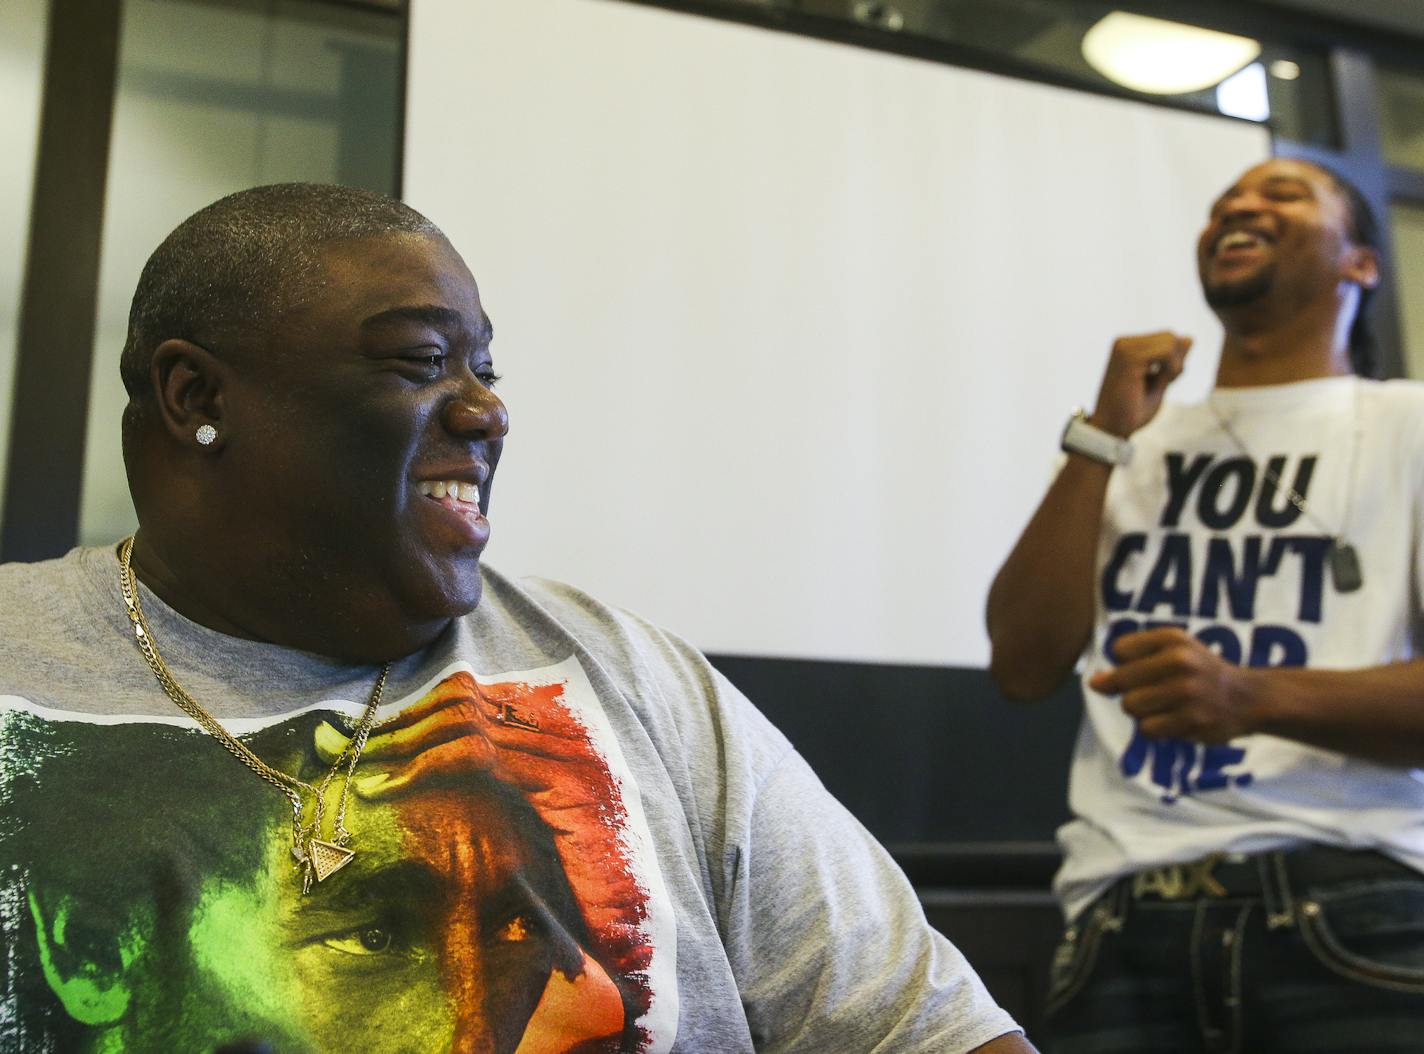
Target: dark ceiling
(1397, 15)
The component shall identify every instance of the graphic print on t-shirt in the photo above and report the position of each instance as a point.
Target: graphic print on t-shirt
(503, 898)
(1227, 531)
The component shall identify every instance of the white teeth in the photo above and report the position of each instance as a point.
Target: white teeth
(449, 488)
(1238, 240)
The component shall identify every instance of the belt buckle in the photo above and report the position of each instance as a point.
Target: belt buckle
(1180, 881)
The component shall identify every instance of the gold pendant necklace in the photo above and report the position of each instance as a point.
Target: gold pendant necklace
(317, 858)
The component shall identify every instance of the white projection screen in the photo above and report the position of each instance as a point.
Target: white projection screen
(789, 329)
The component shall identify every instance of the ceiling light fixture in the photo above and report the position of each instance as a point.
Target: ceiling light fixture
(1245, 94)
(1158, 57)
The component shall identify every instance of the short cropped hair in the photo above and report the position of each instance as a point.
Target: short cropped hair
(232, 269)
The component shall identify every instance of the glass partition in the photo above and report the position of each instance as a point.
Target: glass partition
(211, 98)
(1408, 226)
(1401, 116)
(22, 47)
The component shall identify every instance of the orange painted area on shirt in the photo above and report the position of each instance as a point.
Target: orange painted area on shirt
(595, 963)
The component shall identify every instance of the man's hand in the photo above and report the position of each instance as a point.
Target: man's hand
(1139, 371)
(1173, 685)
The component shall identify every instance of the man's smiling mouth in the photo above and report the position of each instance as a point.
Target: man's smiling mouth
(459, 502)
(1239, 241)
(464, 493)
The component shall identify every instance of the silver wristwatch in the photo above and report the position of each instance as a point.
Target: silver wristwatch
(1079, 437)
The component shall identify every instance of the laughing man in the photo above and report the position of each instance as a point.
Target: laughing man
(1240, 581)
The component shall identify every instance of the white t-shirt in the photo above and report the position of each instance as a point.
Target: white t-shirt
(1196, 534)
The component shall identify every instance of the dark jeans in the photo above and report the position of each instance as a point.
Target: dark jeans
(1283, 963)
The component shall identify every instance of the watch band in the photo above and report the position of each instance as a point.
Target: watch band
(1079, 437)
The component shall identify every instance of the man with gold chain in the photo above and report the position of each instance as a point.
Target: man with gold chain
(290, 768)
(1240, 584)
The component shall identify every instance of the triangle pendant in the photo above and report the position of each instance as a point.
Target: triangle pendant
(328, 858)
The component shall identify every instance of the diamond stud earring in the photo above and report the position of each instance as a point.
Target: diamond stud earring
(206, 434)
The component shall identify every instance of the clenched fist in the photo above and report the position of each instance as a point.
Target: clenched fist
(1139, 370)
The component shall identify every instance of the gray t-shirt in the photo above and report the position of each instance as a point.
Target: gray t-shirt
(571, 835)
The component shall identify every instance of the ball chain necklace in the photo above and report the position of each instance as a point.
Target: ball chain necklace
(317, 858)
(1343, 559)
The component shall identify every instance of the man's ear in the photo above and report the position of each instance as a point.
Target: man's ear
(188, 387)
(85, 964)
(1362, 267)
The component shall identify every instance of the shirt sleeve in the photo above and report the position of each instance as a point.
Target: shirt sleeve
(829, 943)
(826, 941)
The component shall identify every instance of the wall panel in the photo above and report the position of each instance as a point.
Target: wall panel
(790, 328)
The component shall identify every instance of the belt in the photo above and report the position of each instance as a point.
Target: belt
(1238, 875)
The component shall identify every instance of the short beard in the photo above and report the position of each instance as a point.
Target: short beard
(1245, 291)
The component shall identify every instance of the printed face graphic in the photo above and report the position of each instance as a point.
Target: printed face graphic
(444, 930)
(490, 908)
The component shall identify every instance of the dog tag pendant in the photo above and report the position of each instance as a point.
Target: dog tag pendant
(1345, 573)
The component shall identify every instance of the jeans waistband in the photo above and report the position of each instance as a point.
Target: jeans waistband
(1260, 874)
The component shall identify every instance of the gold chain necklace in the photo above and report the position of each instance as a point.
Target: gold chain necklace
(317, 858)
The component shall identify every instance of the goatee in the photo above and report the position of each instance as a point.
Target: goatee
(1243, 291)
